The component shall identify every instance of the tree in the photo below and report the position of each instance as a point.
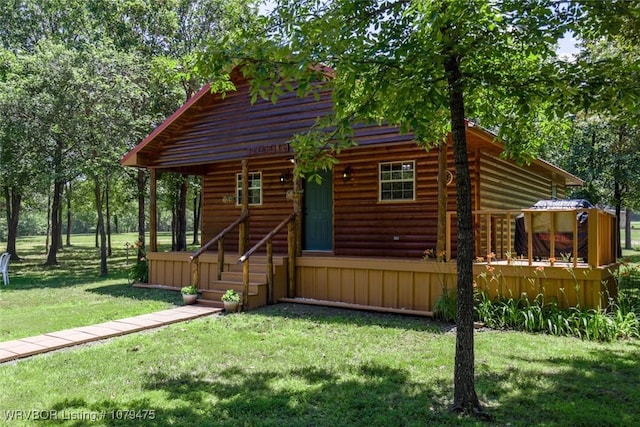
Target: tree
(421, 65)
(604, 96)
(16, 156)
(198, 21)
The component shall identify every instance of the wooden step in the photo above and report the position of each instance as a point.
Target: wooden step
(237, 276)
(212, 297)
(216, 294)
(236, 285)
(209, 303)
(253, 268)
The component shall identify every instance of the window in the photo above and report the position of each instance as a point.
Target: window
(255, 188)
(397, 181)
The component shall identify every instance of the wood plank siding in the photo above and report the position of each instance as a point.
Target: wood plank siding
(364, 225)
(358, 249)
(505, 185)
(221, 182)
(222, 128)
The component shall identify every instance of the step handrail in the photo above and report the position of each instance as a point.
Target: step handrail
(268, 239)
(219, 238)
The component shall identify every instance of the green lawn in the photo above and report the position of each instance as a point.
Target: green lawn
(299, 366)
(47, 299)
(285, 365)
(635, 235)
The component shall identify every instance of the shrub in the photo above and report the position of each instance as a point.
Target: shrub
(616, 322)
(139, 272)
(446, 306)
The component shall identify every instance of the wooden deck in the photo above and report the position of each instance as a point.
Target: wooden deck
(414, 285)
(398, 285)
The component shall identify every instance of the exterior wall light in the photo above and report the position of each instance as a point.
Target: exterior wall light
(347, 172)
(285, 177)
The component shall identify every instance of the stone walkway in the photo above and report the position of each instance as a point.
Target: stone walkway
(16, 349)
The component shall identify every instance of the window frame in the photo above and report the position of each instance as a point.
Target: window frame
(401, 180)
(254, 188)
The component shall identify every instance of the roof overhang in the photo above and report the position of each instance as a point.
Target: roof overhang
(135, 157)
(570, 179)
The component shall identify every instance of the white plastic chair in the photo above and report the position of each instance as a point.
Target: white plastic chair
(4, 267)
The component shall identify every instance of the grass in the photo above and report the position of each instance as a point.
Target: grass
(299, 366)
(290, 365)
(46, 299)
(635, 234)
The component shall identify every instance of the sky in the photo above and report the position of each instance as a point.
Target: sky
(566, 45)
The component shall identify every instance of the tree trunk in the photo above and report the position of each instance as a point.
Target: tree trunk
(60, 244)
(108, 224)
(69, 224)
(153, 210)
(46, 244)
(181, 216)
(13, 200)
(197, 204)
(465, 398)
(100, 228)
(52, 256)
(627, 229)
(617, 197)
(141, 214)
(174, 227)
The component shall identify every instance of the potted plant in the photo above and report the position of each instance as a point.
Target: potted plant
(189, 294)
(231, 300)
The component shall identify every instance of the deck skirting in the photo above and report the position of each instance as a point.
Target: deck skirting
(410, 286)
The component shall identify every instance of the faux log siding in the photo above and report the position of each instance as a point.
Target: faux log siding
(221, 181)
(363, 226)
(216, 129)
(504, 185)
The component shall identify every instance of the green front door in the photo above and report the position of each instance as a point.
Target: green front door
(318, 214)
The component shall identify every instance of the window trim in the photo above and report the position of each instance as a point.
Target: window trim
(381, 181)
(239, 188)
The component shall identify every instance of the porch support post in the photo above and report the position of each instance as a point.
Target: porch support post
(294, 239)
(575, 240)
(270, 271)
(552, 234)
(441, 246)
(297, 232)
(489, 243)
(291, 273)
(153, 211)
(220, 266)
(509, 245)
(593, 237)
(448, 237)
(244, 226)
(528, 218)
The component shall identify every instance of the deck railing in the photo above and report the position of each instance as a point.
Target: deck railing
(268, 239)
(495, 233)
(194, 263)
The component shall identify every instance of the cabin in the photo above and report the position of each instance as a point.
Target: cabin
(361, 237)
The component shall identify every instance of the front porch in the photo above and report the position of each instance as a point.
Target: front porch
(584, 274)
(386, 284)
